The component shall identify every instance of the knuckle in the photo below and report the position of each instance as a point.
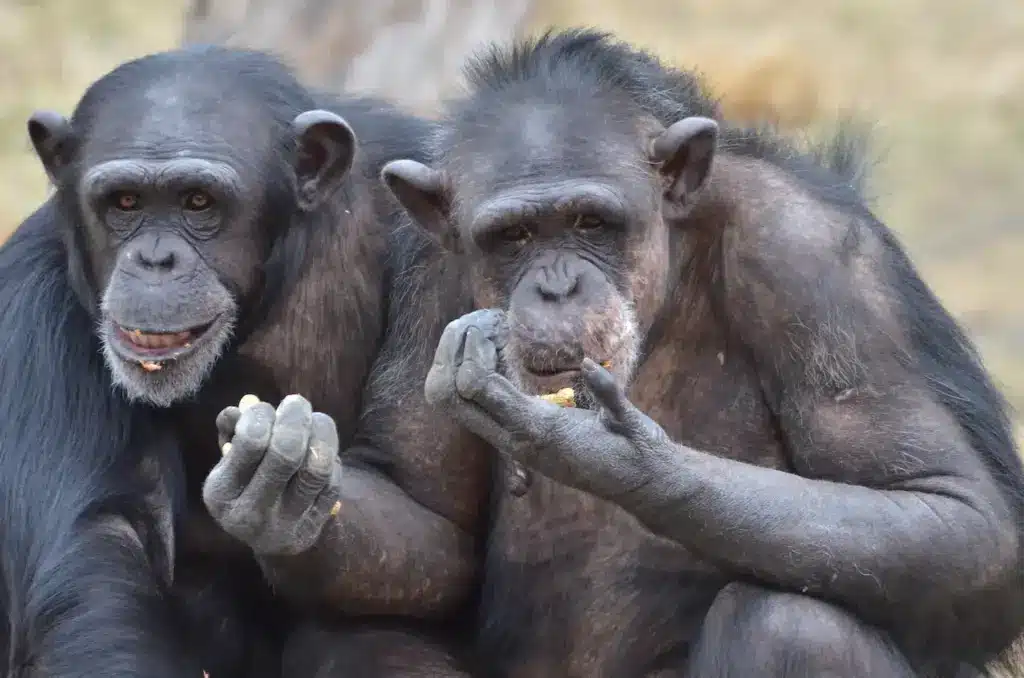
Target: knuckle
(320, 459)
(289, 445)
(228, 416)
(469, 380)
(438, 387)
(326, 429)
(294, 407)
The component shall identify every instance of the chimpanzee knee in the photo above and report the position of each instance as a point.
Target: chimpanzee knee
(752, 631)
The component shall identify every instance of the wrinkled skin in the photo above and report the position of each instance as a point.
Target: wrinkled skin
(812, 473)
(609, 451)
(232, 239)
(287, 462)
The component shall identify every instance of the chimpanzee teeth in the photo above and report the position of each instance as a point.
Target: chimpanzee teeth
(161, 340)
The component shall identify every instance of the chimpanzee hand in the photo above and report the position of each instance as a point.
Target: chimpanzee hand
(279, 480)
(609, 452)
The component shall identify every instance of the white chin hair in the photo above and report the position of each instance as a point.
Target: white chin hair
(175, 381)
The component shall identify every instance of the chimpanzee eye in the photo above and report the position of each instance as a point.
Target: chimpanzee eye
(197, 201)
(514, 234)
(126, 201)
(586, 222)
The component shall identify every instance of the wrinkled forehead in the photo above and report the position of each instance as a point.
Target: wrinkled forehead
(178, 118)
(531, 145)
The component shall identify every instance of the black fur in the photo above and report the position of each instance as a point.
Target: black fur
(76, 603)
(78, 600)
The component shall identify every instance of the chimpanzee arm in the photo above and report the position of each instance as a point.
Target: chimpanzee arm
(330, 529)
(403, 540)
(892, 507)
(891, 504)
(84, 555)
(384, 553)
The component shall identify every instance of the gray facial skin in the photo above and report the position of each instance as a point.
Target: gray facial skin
(172, 224)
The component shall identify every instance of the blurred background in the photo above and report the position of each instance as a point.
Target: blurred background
(942, 79)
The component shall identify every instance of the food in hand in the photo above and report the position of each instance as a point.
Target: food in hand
(565, 397)
(247, 401)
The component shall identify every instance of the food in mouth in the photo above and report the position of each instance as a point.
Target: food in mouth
(565, 397)
(160, 345)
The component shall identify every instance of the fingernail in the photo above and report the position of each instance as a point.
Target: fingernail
(589, 365)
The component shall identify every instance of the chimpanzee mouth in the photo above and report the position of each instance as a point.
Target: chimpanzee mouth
(551, 380)
(150, 348)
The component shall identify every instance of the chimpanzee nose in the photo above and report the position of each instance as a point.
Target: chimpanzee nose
(156, 259)
(557, 283)
(157, 253)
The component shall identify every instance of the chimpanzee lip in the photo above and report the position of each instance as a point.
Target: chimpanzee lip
(150, 345)
(559, 372)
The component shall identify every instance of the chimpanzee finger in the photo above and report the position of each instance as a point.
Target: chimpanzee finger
(479, 361)
(479, 422)
(509, 407)
(328, 501)
(234, 472)
(226, 422)
(319, 462)
(449, 348)
(606, 390)
(448, 356)
(286, 450)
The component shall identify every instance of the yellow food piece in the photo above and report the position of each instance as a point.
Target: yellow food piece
(150, 366)
(224, 450)
(607, 364)
(565, 397)
(247, 401)
(336, 509)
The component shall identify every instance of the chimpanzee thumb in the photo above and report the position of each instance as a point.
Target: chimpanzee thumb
(607, 392)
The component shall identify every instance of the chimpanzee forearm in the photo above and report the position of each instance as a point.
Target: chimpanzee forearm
(860, 545)
(383, 553)
(112, 616)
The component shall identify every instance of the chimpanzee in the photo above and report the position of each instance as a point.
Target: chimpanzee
(217, 230)
(786, 458)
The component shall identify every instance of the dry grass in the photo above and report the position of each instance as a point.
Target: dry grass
(943, 78)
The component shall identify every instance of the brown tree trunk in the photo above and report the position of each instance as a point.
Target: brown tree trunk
(407, 50)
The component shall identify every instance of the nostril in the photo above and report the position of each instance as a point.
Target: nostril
(165, 261)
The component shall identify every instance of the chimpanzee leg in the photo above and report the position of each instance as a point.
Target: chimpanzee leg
(367, 651)
(753, 632)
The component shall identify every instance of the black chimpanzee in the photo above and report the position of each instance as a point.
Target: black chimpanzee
(794, 463)
(217, 230)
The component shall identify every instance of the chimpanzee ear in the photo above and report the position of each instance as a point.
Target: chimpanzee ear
(51, 136)
(423, 193)
(326, 149)
(684, 153)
